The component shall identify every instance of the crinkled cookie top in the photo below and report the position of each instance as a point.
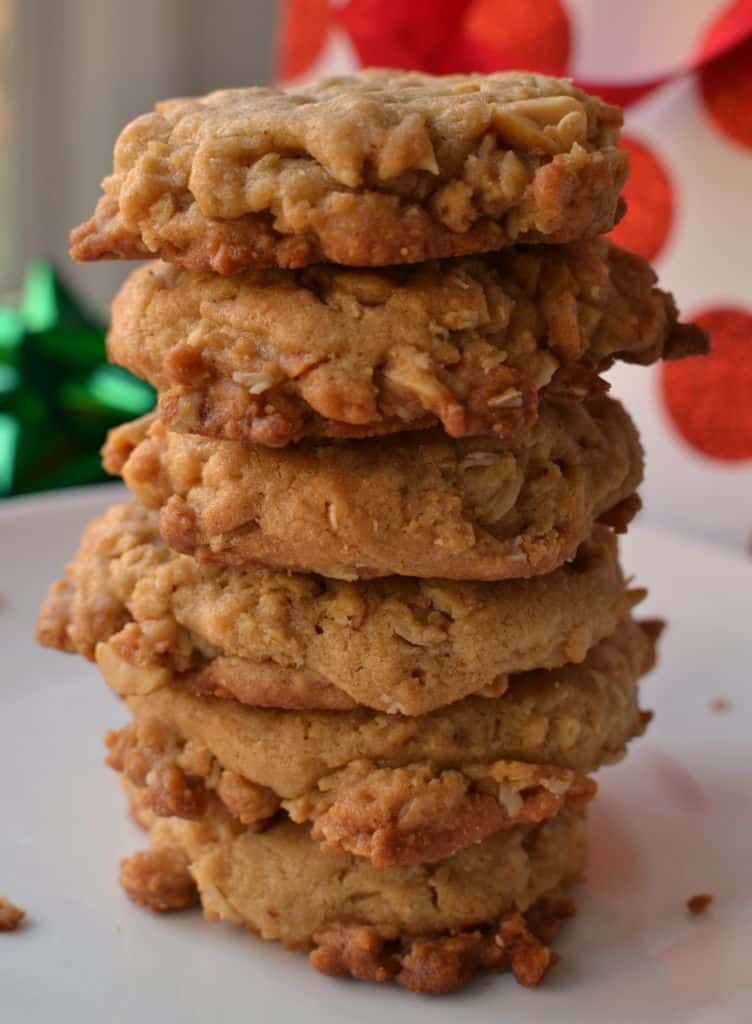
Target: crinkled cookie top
(370, 127)
(375, 168)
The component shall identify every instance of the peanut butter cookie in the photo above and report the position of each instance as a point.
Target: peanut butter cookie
(271, 357)
(576, 718)
(415, 504)
(494, 904)
(371, 169)
(293, 641)
(414, 814)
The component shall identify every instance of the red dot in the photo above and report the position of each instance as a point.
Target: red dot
(304, 28)
(726, 86)
(650, 202)
(412, 35)
(459, 35)
(709, 398)
(535, 36)
(727, 29)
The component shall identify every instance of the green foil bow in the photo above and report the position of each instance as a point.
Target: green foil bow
(58, 394)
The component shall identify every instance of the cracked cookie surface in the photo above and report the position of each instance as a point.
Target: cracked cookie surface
(293, 641)
(418, 504)
(392, 816)
(270, 357)
(576, 717)
(377, 168)
(426, 927)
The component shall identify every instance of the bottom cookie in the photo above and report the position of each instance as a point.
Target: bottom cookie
(492, 905)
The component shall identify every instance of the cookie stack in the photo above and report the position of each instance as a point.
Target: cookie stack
(367, 611)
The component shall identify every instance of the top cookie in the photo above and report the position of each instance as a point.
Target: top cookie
(377, 168)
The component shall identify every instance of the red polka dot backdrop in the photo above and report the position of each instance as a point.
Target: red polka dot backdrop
(726, 84)
(709, 399)
(305, 28)
(650, 202)
(726, 29)
(458, 35)
(683, 71)
(534, 35)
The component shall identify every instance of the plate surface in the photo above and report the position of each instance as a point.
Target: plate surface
(671, 821)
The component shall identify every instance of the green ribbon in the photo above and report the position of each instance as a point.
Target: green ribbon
(58, 394)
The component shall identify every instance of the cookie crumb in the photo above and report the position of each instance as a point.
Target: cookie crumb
(720, 704)
(158, 879)
(699, 903)
(10, 915)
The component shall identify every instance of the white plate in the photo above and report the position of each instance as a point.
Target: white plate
(671, 821)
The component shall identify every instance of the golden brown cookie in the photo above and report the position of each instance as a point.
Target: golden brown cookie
(426, 927)
(270, 356)
(293, 641)
(412, 814)
(371, 169)
(392, 789)
(418, 504)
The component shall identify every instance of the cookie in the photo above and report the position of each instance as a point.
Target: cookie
(416, 504)
(576, 717)
(270, 356)
(493, 904)
(292, 641)
(371, 169)
(393, 816)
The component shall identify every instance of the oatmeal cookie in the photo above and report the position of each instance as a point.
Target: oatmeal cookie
(292, 641)
(270, 357)
(376, 168)
(413, 814)
(575, 718)
(427, 927)
(417, 504)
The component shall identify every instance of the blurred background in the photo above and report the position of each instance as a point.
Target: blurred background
(73, 72)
